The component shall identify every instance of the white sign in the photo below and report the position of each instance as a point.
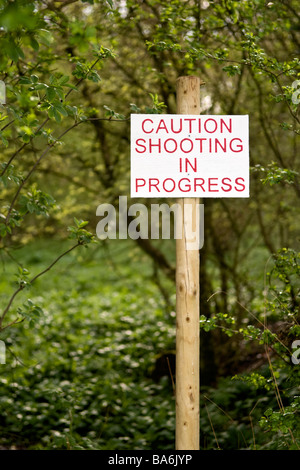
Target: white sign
(176, 155)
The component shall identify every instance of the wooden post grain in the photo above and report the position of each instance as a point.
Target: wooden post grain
(187, 300)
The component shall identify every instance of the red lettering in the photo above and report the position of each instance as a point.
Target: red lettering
(223, 147)
(187, 187)
(172, 127)
(223, 123)
(188, 163)
(210, 184)
(190, 122)
(175, 146)
(239, 147)
(239, 184)
(191, 145)
(199, 184)
(162, 126)
(154, 184)
(147, 132)
(140, 145)
(200, 140)
(215, 127)
(137, 185)
(154, 145)
(226, 184)
(164, 185)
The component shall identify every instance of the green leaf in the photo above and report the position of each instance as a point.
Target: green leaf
(41, 86)
(50, 93)
(63, 80)
(34, 78)
(232, 70)
(45, 37)
(54, 114)
(60, 108)
(3, 140)
(34, 44)
(25, 81)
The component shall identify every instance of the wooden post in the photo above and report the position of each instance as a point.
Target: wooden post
(187, 300)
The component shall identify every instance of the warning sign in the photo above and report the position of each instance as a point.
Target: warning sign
(177, 155)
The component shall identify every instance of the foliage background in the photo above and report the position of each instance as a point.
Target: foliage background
(89, 362)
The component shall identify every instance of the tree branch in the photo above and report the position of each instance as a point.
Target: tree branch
(21, 287)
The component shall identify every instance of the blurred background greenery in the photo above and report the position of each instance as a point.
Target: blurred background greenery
(90, 342)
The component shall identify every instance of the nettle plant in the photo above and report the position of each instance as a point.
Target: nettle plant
(275, 330)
